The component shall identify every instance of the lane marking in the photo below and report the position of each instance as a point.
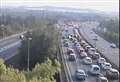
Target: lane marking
(9, 46)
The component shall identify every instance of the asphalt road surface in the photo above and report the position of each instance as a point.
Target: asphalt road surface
(73, 65)
(102, 45)
(9, 46)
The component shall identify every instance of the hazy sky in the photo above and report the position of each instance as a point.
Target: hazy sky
(104, 5)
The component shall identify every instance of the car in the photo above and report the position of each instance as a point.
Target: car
(83, 55)
(95, 56)
(66, 44)
(63, 37)
(21, 37)
(77, 44)
(65, 40)
(2, 49)
(80, 50)
(112, 74)
(95, 38)
(87, 60)
(87, 47)
(72, 57)
(80, 74)
(106, 66)
(101, 60)
(82, 42)
(112, 45)
(101, 79)
(86, 44)
(94, 69)
(91, 51)
(70, 50)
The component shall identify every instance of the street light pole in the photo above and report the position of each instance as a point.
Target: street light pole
(28, 58)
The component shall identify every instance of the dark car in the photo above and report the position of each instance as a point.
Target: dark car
(112, 74)
(70, 50)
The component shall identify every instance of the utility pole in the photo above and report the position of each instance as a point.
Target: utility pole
(28, 51)
(28, 59)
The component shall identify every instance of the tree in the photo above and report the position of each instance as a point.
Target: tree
(43, 72)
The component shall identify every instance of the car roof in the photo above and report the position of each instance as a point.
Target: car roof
(72, 54)
(101, 58)
(114, 70)
(106, 63)
(87, 58)
(102, 77)
(92, 48)
(80, 70)
(95, 66)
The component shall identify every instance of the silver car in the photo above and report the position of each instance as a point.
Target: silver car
(87, 60)
(80, 74)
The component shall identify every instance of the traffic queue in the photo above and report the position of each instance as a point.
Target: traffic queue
(89, 55)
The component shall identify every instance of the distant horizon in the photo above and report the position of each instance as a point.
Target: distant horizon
(106, 5)
(107, 12)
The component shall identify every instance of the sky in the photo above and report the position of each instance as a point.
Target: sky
(102, 5)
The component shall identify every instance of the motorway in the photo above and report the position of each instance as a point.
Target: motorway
(71, 66)
(102, 45)
(9, 46)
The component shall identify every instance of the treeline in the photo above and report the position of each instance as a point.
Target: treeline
(43, 45)
(43, 72)
(109, 30)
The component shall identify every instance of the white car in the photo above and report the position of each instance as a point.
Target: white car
(101, 60)
(113, 45)
(94, 70)
(82, 42)
(95, 55)
(106, 66)
(83, 55)
(87, 60)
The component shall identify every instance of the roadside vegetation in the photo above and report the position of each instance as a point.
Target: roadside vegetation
(43, 72)
(44, 65)
(109, 30)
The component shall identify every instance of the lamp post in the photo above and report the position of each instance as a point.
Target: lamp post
(29, 38)
(28, 58)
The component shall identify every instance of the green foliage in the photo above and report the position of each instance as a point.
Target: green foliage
(43, 44)
(41, 73)
(112, 32)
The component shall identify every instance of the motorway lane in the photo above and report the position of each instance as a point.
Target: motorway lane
(10, 50)
(102, 45)
(8, 41)
(72, 66)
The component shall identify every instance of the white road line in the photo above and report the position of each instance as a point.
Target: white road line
(68, 68)
(9, 46)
